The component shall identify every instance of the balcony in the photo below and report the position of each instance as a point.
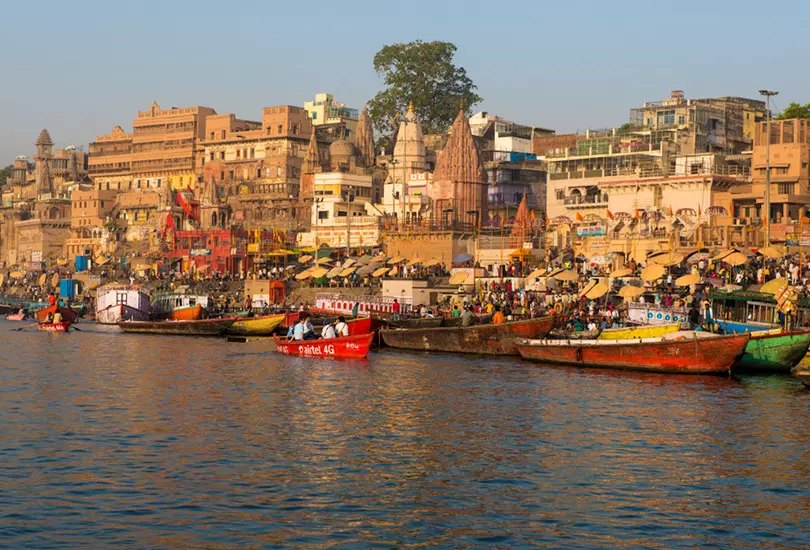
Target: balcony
(588, 201)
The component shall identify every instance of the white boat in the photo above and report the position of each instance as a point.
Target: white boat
(179, 306)
(116, 303)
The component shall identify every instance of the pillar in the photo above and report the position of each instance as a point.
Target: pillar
(785, 212)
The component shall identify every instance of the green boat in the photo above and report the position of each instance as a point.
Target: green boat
(774, 352)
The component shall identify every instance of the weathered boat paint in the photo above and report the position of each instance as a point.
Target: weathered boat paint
(480, 339)
(264, 325)
(347, 347)
(696, 355)
(631, 333)
(774, 352)
(199, 327)
(734, 327)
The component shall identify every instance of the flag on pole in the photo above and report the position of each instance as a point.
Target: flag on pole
(548, 221)
(671, 213)
(699, 210)
(579, 217)
(609, 214)
(531, 215)
(637, 215)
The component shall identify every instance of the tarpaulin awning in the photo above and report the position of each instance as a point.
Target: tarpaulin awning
(461, 258)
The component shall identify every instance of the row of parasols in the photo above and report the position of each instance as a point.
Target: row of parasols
(17, 275)
(377, 266)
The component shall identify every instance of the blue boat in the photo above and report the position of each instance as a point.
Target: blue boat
(731, 327)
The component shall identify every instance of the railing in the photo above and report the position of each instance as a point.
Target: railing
(679, 171)
(588, 199)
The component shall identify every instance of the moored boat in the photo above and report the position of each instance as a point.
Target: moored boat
(19, 316)
(346, 347)
(774, 351)
(264, 325)
(415, 322)
(197, 327)
(481, 339)
(179, 307)
(681, 353)
(45, 315)
(115, 303)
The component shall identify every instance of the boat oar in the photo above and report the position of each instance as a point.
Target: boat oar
(25, 327)
(74, 327)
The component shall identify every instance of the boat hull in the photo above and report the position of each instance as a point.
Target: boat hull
(347, 347)
(776, 353)
(68, 315)
(54, 327)
(715, 355)
(732, 327)
(479, 339)
(193, 313)
(15, 317)
(265, 325)
(200, 327)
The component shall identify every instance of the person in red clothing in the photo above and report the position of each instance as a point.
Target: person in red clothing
(51, 299)
(396, 308)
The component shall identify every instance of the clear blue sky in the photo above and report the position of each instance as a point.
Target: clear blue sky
(79, 68)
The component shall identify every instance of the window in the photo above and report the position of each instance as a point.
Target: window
(560, 194)
(222, 155)
(314, 116)
(223, 134)
(280, 128)
(211, 135)
(238, 153)
(787, 188)
(253, 153)
(230, 174)
(681, 119)
(211, 156)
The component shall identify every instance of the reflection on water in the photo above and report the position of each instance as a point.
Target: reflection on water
(141, 441)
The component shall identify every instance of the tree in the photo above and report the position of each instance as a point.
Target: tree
(5, 173)
(795, 110)
(422, 72)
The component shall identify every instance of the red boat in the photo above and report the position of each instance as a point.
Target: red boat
(68, 315)
(347, 347)
(289, 320)
(674, 353)
(54, 327)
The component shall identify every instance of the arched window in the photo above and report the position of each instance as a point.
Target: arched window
(214, 219)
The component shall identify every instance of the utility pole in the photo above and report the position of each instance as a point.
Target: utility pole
(768, 94)
(349, 200)
(405, 168)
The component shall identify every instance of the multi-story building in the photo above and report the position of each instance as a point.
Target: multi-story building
(325, 110)
(513, 170)
(259, 166)
(790, 178)
(162, 150)
(710, 125)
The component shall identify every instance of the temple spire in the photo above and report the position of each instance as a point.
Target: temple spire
(312, 160)
(365, 140)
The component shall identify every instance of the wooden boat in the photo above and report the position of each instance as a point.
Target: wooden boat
(774, 351)
(562, 334)
(483, 318)
(677, 352)
(197, 327)
(804, 376)
(64, 326)
(115, 303)
(16, 317)
(632, 333)
(264, 325)
(418, 322)
(289, 320)
(179, 307)
(483, 339)
(68, 315)
(347, 347)
(734, 327)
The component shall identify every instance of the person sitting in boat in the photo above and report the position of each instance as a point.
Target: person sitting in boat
(328, 330)
(298, 329)
(468, 318)
(341, 327)
(57, 317)
(48, 318)
(309, 330)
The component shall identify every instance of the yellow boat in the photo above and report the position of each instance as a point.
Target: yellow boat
(632, 333)
(256, 326)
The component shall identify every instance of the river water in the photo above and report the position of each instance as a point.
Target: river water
(137, 441)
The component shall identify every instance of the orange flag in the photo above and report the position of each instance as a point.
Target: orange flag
(671, 213)
(579, 217)
(532, 215)
(636, 215)
(609, 214)
(548, 221)
(699, 210)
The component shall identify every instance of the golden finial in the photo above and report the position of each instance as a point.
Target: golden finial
(410, 107)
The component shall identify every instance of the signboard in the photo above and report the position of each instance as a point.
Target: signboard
(36, 256)
(591, 230)
(200, 252)
(792, 239)
(253, 248)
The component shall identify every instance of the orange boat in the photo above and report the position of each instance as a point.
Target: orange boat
(45, 319)
(179, 307)
(54, 327)
(677, 353)
(347, 347)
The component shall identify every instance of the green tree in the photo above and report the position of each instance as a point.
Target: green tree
(422, 72)
(4, 174)
(795, 110)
